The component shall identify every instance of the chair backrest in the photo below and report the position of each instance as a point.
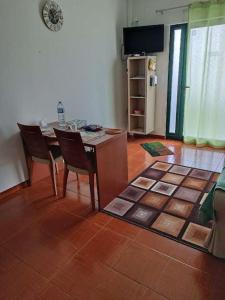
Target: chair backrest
(34, 142)
(72, 149)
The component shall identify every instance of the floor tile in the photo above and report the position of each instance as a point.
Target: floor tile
(83, 280)
(100, 218)
(78, 205)
(141, 264)
(76, 230)
(218, 290)
(53, 292)
(151, 295)
(105, 247)
(15, 218)
(209, 264)
(175, 250)
(124, 228)
(7, 260)
(43, 252)
(19, 280)
(81, 188)
(179, 281)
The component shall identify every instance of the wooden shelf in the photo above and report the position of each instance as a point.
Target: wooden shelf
(137, 115)
(137, 97)
(137, 130)
(141, 96)
(137, 78)
(138, 57)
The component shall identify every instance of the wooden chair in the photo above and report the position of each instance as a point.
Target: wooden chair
(76, 159)
(37, 149)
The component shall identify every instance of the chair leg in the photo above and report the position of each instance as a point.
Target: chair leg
(29, 163)
(92, 189)
(65, 177)
(53, 176)
(78, 182)
(56, 168)
(77, 177)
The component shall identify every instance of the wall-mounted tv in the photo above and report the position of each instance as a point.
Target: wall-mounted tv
(143, 39)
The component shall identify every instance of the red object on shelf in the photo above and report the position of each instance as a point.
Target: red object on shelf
(138, 112)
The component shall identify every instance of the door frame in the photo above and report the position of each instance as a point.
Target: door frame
(178, 135)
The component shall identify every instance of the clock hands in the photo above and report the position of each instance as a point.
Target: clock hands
(54, 16)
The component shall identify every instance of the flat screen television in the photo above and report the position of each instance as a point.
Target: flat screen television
(143, 39)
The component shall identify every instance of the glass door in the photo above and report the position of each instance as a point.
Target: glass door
(176, 81)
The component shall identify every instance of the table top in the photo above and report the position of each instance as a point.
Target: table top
(91, 139)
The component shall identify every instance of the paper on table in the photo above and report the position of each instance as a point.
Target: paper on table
(86, 136)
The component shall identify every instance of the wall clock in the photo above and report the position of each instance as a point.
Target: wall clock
(52, 15)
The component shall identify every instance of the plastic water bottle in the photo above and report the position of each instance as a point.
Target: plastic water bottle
(61, 114)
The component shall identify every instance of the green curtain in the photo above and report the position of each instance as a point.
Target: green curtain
(204, 118)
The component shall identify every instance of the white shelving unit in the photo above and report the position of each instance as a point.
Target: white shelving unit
(141, 94)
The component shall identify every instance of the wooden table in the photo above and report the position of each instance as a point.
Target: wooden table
(111, 164)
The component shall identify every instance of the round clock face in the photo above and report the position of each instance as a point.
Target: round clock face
(53, 16)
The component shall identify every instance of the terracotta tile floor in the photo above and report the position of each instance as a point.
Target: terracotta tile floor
(52, 248)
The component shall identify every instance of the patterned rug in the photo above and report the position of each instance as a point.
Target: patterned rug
(156, 149)
(165, 199)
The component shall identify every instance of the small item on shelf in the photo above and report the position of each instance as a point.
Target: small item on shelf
(152, 64)
(138, 112)
(153, 80)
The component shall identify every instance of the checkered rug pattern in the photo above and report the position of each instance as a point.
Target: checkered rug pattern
(166, 198)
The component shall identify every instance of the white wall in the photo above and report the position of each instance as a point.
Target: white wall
(144, 12)
(79, 65)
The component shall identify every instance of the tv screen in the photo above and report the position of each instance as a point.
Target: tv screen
(143, 39)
